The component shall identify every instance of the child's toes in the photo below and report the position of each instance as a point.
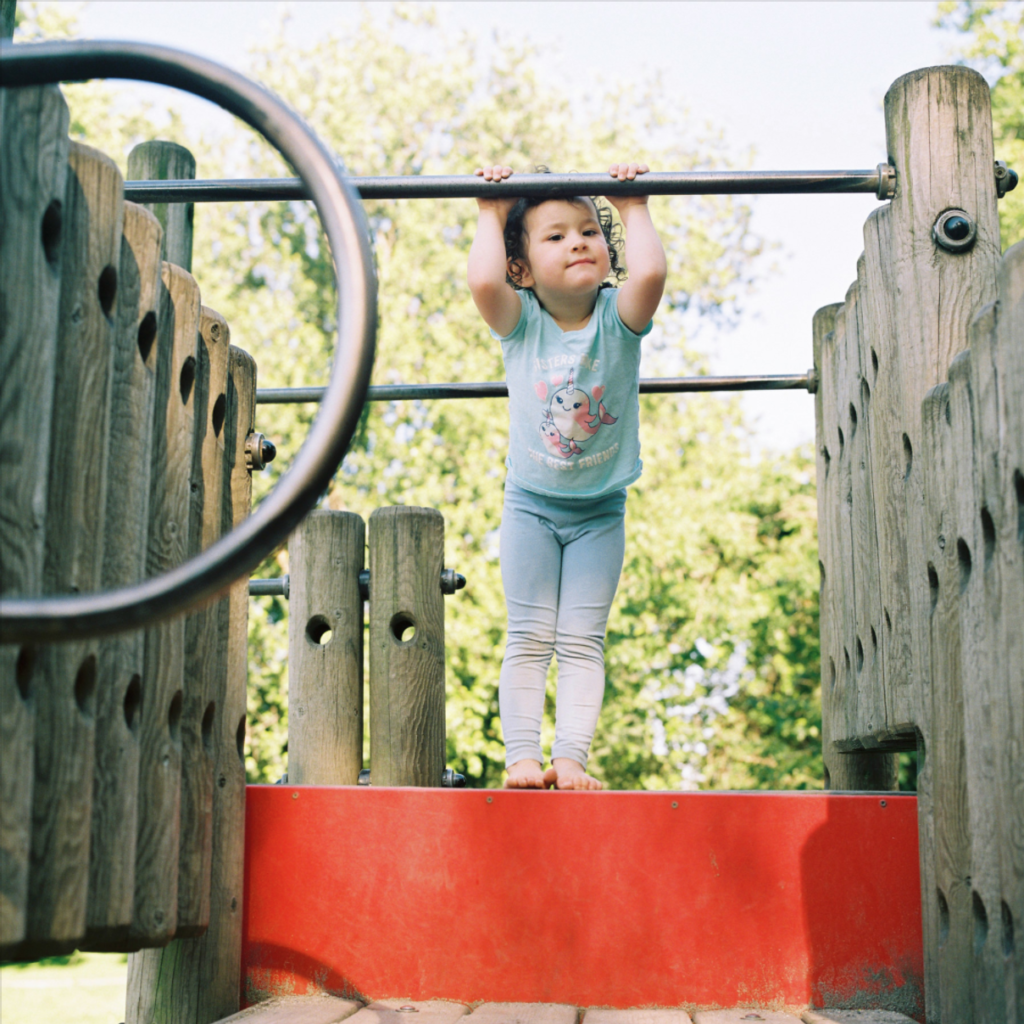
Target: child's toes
(550, 779)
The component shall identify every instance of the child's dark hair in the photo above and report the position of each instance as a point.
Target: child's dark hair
(515, 230)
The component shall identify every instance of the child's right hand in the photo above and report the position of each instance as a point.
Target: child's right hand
(496, 174)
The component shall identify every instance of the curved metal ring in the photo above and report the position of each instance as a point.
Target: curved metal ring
(68, 618)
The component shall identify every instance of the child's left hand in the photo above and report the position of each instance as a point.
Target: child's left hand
(627, 172)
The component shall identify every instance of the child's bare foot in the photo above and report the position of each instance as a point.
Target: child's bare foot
(565, 773)
(525, 774)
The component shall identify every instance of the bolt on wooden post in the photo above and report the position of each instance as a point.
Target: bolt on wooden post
(325, 650)
(407, 699)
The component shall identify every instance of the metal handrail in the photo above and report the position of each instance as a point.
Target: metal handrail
(499, 389)
(29, 620)
(881, 182)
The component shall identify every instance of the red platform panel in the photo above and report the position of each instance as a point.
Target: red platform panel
(592, 899)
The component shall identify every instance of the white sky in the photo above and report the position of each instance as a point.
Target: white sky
(802, 83)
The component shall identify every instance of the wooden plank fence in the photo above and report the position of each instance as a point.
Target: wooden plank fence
(920, 439)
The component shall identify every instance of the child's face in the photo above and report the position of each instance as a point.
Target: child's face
(566, 252)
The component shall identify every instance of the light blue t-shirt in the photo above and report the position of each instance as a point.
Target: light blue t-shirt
(574, 407)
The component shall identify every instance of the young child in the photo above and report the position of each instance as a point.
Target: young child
(571, 342)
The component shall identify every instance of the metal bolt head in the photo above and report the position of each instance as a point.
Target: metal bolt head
(268, 451)
(451, 581)
(955, 231)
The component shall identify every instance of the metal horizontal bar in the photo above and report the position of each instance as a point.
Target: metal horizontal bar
(499, 389)
(469, 186)
(275, 587)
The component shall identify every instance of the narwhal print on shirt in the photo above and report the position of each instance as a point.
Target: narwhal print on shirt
(571, 417)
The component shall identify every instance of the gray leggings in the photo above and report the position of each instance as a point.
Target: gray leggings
(561, 559)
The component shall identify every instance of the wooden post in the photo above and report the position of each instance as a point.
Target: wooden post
(198, 979)
(990, 510)
(407, 724)
(167, 161)
(8, 10)
(76, 496)
(325, 650)
(33, 182)
(156, 866)
(205, 634)
(120, 667)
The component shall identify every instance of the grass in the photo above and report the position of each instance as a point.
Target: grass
(83, 988)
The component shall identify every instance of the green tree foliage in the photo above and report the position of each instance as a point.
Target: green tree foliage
(712, 648)
(993, 43)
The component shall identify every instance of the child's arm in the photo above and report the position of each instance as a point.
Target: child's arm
(494, 296)
(645, 257)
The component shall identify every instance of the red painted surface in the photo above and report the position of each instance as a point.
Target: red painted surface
(593, 899)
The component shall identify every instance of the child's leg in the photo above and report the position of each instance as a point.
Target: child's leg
(530, 571)
(591, 567)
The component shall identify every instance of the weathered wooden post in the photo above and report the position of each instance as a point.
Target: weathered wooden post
(325, 650)
(895, 561)
(120, 667)
(76, 498)
(167, 161)
(33, 182)
(198, 979)
(407, 699)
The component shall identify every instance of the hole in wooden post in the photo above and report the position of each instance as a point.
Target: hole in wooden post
(828, 460)
(132, 702)
(187, 379)
(318, 631)
(832, 673)
(963, 554)
(888, 621)
(50, 231)
(874, 640)
(240, 739)
(874, 364)
(980, 923)
(908, 456)
(174, 717)
(1008, 943)
(828, 779)
(988, 533)
(842, 441)
(107, 289)
(147, 335)
(947, 410)
(846, 660)
(821, 576)
(860, 656)
(23, 670)
(85, 685)
(865, 394)
(933, 586)
(943, 918)
(853, 421)
(1018, 486)
(403, 628)
(206, 729)
(217, 419)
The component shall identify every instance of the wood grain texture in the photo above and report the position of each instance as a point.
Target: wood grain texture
(407, 711)
(163, 161)
(296, 1010)
(946, 748)
(120, 686)
(939, 136)
(325, 669)
(990, 502)
(76, 497)
(205, 633)
(198, 979)
(33, 170)
(156, 865)
(525, 1013)
(387, 1011)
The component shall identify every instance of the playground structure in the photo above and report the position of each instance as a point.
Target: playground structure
(131, 439)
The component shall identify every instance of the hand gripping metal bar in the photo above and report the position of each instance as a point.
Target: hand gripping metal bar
(235, 555)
